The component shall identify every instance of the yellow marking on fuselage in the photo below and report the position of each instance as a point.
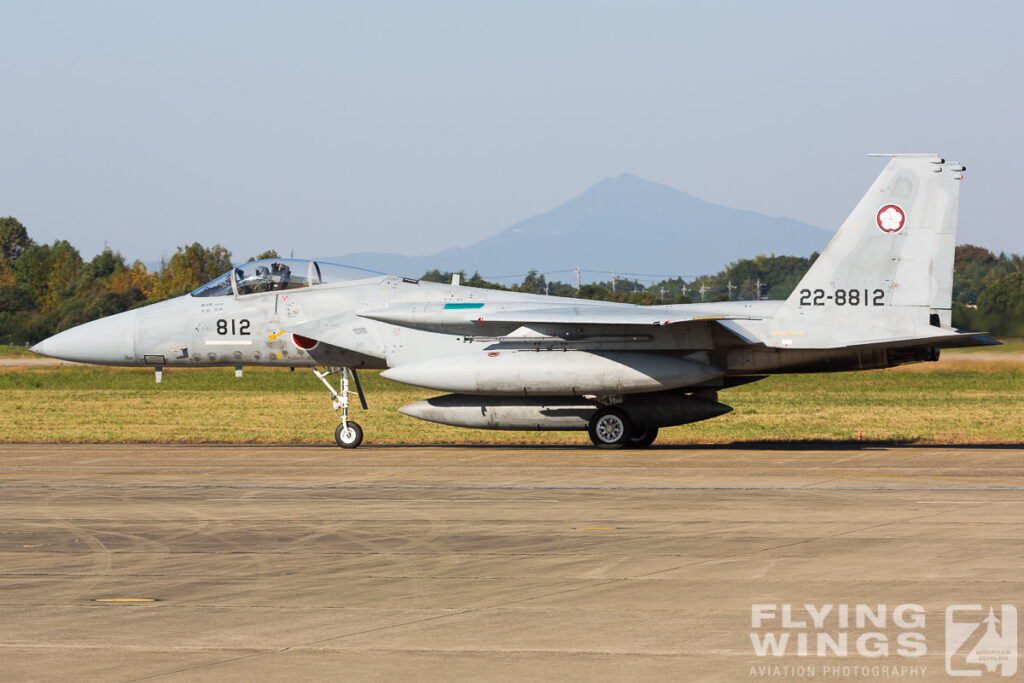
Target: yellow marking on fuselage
(272, 337)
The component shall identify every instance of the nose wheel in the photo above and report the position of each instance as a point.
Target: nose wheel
(348, 434)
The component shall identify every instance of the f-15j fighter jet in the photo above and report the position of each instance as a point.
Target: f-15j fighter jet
(878, 296)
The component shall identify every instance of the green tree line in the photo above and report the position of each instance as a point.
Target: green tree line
(46, 288)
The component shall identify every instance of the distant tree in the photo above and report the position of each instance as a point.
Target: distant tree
(475, 280)
(14, 238)
(1001, 306)
(134, 278)
(49, 273)
(976, 268)
(103, 265)
(190, 267)
(269, 253)
(644, 298)
(534, 282)
(436, 275)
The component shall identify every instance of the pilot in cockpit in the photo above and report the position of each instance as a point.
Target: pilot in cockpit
(257, 281)
(279, 274)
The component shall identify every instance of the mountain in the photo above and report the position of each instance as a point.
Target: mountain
(625, 224)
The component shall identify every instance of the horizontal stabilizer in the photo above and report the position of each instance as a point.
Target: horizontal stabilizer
(950, 340)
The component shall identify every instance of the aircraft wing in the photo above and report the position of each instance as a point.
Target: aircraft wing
(440, 316)
(600, 315)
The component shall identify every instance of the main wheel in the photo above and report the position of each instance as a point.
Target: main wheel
(610, 428)
(643, 439)
(349, 438)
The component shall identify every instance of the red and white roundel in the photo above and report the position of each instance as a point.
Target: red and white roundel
(890, 218)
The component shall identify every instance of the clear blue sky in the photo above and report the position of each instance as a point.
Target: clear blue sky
(329, 127)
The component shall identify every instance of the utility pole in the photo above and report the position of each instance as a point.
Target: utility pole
(662, 294)
(758, 283)
(730, 287)
(703, 288)
(577, 279)
(613, 280)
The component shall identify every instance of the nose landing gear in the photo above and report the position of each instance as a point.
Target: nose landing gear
(348, 434)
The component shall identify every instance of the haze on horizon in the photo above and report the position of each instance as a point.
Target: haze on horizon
(329, 128)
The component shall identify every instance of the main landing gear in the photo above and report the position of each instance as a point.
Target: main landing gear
(611, 427)
(348, 434)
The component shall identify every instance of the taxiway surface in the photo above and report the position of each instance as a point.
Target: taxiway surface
(175, 563)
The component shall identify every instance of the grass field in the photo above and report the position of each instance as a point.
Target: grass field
(971, 396)
(15, 352)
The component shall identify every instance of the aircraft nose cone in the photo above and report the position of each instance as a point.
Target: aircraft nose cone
(105, 341)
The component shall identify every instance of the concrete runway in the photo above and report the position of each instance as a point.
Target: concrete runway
(310, 563)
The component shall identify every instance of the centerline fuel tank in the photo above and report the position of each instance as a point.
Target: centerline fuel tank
(563, 413)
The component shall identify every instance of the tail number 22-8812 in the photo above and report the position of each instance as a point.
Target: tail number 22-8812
(842, 297)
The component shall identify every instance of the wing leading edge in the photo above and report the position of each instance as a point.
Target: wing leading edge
(434, 316)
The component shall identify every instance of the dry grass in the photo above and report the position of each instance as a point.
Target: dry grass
(958, 400)
(15, 352)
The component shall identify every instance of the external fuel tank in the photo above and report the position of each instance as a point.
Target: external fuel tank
(555, 373)
(563, 413)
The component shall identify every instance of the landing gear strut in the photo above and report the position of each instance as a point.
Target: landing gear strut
(348, 434)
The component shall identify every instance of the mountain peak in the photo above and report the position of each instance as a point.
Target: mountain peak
(623, 224)
(634, 187)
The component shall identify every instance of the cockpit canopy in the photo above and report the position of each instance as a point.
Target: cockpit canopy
(275, 274)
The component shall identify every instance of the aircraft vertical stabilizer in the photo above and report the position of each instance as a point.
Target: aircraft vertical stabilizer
(891, 262)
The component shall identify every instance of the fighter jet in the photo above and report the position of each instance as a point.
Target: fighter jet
(878, 296)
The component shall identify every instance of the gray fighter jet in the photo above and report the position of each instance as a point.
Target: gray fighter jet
(878, 296)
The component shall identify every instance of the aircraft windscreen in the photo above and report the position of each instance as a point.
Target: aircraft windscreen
(271, 275)
(218, 287)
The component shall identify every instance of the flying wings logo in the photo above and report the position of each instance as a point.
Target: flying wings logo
(881, 640)
(890, 218)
